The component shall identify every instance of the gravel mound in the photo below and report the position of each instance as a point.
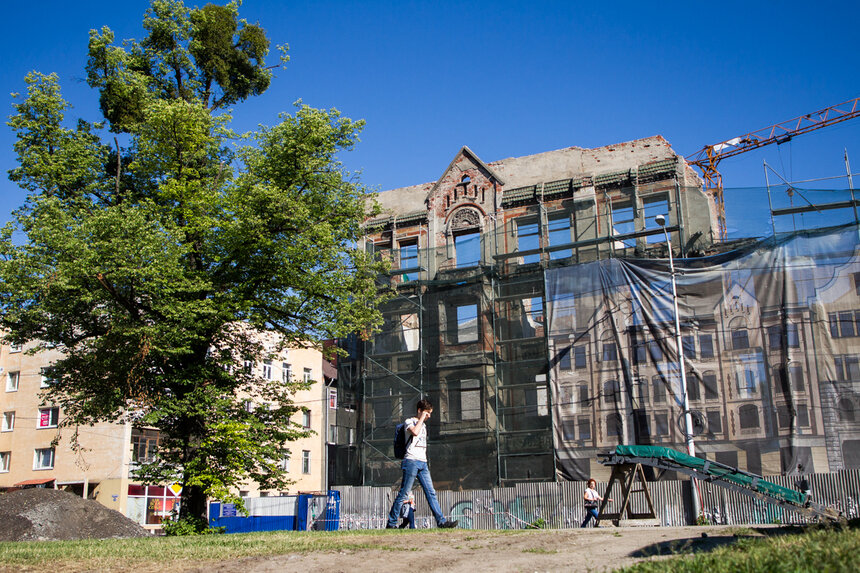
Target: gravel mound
(40, 514)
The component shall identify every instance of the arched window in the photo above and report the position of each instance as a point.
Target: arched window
(845, 410)
(465, 234)
(748, 415)
(614, 427)
(466, 179)
(739, 333)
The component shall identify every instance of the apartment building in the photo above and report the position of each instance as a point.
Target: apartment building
(36, 450)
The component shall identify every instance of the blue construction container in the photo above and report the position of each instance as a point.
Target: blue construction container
(265, 514)
(303, 512)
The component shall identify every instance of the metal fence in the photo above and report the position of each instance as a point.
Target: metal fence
(560, 505)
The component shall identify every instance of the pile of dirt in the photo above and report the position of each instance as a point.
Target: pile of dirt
(40, 514)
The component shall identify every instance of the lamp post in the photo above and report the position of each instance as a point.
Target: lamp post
(688, 418)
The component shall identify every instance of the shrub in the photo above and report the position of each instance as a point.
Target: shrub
(191, 526)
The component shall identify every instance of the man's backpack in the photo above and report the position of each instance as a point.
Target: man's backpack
(401, 441)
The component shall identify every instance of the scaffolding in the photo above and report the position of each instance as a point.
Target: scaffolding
(539, 353)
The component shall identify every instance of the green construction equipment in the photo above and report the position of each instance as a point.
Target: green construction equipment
(627, 462)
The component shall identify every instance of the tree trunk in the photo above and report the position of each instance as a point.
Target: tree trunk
(193, 503)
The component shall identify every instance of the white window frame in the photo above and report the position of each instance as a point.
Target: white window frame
(10, 376)
(306, 462)
(8, 421)
(285, 463)
(307, 376)
(267, 369)
(5, 458)
(286, 372)
(53, 419)
(38, 457)
(306, 419)
(14, 348)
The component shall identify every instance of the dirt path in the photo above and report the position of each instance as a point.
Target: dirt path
(463, 551)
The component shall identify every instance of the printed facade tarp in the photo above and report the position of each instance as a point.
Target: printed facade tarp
(769, 339)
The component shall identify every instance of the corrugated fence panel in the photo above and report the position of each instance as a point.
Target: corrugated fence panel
(364, 507)
(560, 505)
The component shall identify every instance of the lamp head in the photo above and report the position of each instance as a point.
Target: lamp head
(661, 220)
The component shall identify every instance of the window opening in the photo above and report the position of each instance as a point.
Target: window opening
(144, 445)
(467, 249)
(12, 379)
(651, 207)
(467, 323)
(558, 233)
(624, 221)
(528, 239)
(409, 259)
(43, 459)
(49, 417)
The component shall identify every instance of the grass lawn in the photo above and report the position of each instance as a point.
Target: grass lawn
(161, 553)
(819, 550)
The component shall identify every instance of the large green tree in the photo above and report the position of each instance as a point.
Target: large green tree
(159, 244)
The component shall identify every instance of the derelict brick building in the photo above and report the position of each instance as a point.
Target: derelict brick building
(468, 253)
(533, 308)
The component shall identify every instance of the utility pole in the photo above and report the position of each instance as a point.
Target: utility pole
(688, 418)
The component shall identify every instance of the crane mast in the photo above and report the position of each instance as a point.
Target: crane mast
(707, 158)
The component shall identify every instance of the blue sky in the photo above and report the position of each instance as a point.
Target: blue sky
(511, 78)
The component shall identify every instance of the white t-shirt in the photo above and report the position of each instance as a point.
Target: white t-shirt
(591, 497)
(417, 448)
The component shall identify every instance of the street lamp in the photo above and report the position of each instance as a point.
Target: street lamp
(688, 418)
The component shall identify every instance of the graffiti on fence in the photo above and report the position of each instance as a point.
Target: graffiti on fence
(519, 513)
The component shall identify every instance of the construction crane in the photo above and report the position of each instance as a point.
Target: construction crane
(710, 156)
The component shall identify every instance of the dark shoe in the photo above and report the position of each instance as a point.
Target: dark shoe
(389, 526)
(404, 525)
(449, 524)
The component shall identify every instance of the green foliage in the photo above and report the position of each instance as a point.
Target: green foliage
(702, 520)
(539, 523)
(191, 525)
(156, 265)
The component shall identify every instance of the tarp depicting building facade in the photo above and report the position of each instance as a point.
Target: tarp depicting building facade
(769, 338)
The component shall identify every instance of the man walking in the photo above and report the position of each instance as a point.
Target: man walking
(414, 465)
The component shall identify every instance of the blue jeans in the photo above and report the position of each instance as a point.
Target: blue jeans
(592, 512)
(411, 470)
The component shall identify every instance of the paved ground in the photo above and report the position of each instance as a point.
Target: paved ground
(465, 551)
